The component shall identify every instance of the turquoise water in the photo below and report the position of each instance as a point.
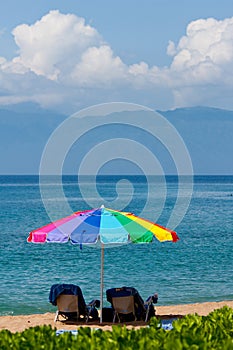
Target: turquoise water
(195, 269)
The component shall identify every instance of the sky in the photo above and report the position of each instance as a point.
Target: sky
(164, 54)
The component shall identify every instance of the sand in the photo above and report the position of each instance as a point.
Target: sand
(22, 322)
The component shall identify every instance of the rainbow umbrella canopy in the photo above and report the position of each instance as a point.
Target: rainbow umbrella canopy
(102, 227)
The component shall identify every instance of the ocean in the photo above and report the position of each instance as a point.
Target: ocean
(197, 268)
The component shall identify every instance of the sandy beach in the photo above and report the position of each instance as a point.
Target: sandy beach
(22, 322)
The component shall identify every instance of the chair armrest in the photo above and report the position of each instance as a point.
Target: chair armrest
(94, 303)
(152, 299)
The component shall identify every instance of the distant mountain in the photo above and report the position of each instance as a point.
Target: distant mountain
(208, 135)
(25, 129)
(24, 132)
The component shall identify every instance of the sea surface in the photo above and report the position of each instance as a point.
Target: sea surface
(197, 268)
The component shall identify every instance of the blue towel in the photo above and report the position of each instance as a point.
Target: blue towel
(58, 289)
(167, 325)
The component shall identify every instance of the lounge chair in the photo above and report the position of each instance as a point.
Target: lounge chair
(71, 305)
(128, 305)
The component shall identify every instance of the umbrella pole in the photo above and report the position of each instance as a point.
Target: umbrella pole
(101, 283)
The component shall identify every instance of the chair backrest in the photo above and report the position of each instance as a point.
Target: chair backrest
(67, 289)
(138, 309)
(124, 305)
(67, 303)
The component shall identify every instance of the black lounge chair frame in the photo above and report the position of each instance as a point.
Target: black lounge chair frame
(128, 305)
(71, 304)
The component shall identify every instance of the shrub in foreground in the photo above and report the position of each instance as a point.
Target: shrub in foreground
(212, 332)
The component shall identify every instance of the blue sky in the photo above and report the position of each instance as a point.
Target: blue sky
(66, 55)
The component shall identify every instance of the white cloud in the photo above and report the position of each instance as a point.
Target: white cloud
(61, 59)
(99, 67)
(53, 43)
(205, 41)
(2, 61)
(203, 58)
(171, 48)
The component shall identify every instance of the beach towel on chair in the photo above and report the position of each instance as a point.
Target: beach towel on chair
(71, 304)
(128, 305)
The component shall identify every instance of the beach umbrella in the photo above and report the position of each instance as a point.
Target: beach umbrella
(101, 227)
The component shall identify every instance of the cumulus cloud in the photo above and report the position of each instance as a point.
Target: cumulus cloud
(206, 41)
(53, 43)
(203, 58)
(61, 55)
(99, 67)
(2, 61)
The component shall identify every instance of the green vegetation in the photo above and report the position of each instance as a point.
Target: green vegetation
(192, 332)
